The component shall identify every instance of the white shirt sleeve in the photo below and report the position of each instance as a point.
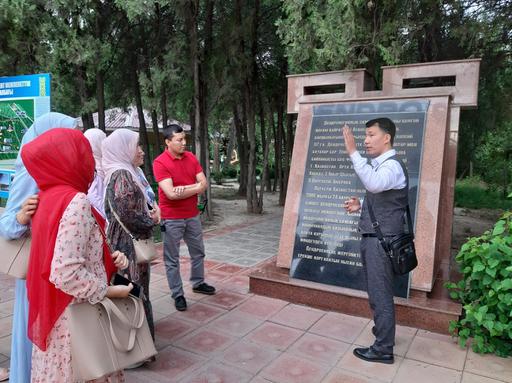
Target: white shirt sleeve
(388, 175)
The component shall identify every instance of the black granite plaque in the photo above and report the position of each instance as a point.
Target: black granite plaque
(326, 246)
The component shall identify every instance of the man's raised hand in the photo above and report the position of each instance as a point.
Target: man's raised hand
(350, 142)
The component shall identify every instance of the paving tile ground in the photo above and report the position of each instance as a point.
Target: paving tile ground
(237, 337)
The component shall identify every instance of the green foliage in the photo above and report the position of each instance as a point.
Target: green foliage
(485, 290)
(217, 177)
(473, 193)
(494, 156)
(230, 172)
(330, 35)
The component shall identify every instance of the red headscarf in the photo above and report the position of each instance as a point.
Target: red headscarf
(62, 164)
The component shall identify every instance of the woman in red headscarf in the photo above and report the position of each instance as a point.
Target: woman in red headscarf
(69, 261)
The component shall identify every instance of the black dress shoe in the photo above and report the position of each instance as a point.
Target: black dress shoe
(180, 303)
(370, 355)
(204, 288)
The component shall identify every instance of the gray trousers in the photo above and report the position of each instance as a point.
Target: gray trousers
(191, 231)
(379, 279)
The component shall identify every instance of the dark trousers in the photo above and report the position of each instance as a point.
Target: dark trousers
(379, 280)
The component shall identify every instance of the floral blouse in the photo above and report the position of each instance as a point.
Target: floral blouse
(77, 269)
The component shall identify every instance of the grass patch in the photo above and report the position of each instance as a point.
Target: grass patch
(472, 193)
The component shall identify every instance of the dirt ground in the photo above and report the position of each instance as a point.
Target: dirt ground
(230, 210)
(471, 223)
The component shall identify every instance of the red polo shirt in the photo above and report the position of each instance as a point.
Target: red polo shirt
(183, 172)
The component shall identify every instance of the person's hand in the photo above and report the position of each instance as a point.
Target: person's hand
(352, 205)
(28, 208)
(350, 142)
(119, 291)
(120, 260)
(178, 190)
(155, 215)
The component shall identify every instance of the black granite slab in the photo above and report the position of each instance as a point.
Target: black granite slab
(326, 246)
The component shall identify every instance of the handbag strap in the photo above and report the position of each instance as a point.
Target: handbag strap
(113, 311)
(119, 220)
(375, 223)
(110, 248)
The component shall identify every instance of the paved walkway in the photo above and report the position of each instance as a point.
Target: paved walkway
(237, 337)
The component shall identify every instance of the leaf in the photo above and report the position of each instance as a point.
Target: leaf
(478, 266)
(489, 325)
(499, 228)
(488, 279)
(506, 284)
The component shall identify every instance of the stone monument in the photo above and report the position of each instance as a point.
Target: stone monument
(319, 241)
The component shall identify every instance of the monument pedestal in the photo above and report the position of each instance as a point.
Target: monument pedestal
(429, 311)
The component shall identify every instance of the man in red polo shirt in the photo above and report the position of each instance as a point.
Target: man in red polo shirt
(180, 179)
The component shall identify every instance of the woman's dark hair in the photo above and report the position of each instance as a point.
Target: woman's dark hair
(385, 124)
(171, 130)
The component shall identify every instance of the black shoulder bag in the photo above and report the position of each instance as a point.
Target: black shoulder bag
(400, 248)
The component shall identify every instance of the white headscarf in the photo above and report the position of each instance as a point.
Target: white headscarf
(96, 137)
(118, 152)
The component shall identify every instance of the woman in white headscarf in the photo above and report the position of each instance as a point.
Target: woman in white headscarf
(96, 190)
(126, 194)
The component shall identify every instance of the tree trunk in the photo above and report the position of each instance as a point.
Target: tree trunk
(157, 147)
(100, 80)
(100, 96)
(252, 193)
(242, 152)
(143, 133)
(279, 154)
(287, 158)
(161, 64)
(216, 156)
(231, 144)
(265, 179)
(253, 202)
(163, 105)
(276, 152)
(200, 86)
(87, 121)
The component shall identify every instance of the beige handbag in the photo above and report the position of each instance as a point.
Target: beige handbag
(145, 250)
(108, 336)
(14, 256)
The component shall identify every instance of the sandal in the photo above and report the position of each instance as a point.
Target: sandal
(4, 374)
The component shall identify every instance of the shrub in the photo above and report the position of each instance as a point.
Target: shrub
(472, 193)
(230, 172)
(485, 290)
(217, 177)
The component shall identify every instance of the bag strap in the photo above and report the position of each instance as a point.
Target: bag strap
(119, 220)
(407, 208)
(375, 223)
(113, 311)
(376, 227)
(105, 239)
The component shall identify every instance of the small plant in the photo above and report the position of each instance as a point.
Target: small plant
(217, 177)
(230, 171)
(485, 290)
